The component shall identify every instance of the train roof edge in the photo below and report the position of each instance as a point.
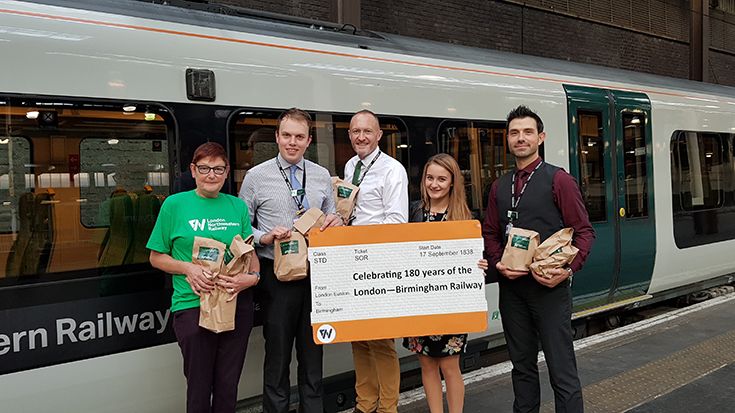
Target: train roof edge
(272, 24)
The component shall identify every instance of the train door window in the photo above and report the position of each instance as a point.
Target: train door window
(481, 151)
(252, 140)
(592, 164)
(699, 169)
(634, 158)
(81, 184)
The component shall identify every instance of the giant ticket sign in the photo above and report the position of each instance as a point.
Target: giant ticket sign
(385, 281)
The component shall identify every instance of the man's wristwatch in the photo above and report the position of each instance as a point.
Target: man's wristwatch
(571, 274)
(257, 274)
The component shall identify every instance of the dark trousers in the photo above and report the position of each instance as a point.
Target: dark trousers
(287, 319)
(213, 362)
(531, 313)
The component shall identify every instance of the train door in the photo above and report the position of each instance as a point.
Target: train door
(634, 169)
(610, 156)
(590, 140)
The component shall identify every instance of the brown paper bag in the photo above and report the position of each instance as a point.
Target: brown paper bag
(519, 249)
(290, 255)
(217, 307)
(209, 254)
(556, 251)
(239, 255)
(345, 197)
(314, 217)
(289, 258)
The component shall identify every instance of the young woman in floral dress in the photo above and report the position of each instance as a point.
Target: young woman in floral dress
(442, 199)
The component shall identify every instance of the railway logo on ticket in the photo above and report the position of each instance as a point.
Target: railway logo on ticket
(385, 281)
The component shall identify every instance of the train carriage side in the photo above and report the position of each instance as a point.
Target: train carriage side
(694, 178)
(655, 168)
(90, 145)
(68, 161)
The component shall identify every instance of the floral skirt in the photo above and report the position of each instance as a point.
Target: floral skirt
(437, 346)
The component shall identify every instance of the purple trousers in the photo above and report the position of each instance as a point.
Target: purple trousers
(213, 362)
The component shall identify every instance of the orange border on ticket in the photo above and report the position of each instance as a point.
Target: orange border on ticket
(422, 325)
(378, 328)
(389, 233)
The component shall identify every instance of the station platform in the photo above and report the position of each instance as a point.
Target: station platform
(680, 361)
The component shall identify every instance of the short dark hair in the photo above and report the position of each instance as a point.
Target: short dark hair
(210, 150)
(523, 111)
(295, 114)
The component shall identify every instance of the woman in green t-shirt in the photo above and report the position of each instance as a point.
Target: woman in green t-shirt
(213, 362)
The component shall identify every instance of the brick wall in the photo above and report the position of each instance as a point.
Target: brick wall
(310, 9)
(478, 23)
(722, 68)
(561, 37)
(544, 31)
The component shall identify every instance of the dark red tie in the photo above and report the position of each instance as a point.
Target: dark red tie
(521, 177)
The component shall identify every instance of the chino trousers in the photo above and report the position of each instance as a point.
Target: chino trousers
(213, 362)
(530, 313)
(377, 375)
(287, 319)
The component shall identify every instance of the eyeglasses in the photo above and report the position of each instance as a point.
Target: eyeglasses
(204, 169)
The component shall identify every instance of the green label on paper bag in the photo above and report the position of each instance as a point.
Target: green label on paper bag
(289, 247)
(228, 256)
(208, 254)
(519, 241)
(344, 192)
(557, 251)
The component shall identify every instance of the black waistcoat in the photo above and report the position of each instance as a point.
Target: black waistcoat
(537, 210)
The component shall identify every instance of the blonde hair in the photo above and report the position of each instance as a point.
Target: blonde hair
(458, 209)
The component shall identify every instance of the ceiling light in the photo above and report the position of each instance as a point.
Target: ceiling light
(129, 107)
(113, 141)
(33, 114)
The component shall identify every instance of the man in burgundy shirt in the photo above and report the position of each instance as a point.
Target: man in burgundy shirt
(543, 198)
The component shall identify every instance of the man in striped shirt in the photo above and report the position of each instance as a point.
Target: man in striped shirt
(276, 192)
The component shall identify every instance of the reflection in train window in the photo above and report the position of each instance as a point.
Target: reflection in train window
(80, 184)
(482, 152)
(592, 164)
(253, 140)
(698, 170)
(634, 158)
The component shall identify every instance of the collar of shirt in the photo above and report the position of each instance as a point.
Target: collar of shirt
(285, 165)
(370, 157)
(529, 168)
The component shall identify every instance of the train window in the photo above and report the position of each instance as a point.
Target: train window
(482, 152)
(592, 165)
(81, 184)
(252, 140)
(699, 170)
(634, 158)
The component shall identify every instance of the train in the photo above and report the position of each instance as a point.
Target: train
(102, 104)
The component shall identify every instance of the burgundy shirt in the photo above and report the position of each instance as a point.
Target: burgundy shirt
(568, 199)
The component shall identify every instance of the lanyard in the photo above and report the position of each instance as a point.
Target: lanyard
(298, 196)
(515, 201)
(364, 174)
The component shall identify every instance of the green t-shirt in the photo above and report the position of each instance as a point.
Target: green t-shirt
(187, 215)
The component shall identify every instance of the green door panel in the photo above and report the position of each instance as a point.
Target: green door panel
(588, 115)
(610, 155)
(635, 193)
